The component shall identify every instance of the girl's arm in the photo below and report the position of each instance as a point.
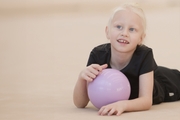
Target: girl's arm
(143, 102)
(80, 95)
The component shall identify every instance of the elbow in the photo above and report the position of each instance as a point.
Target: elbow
(148, 107)
(80, 105)
(148, 104)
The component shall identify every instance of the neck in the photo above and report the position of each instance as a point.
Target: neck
(120, 60)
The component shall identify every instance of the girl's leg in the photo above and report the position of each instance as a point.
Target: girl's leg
(170, 79)
(158, 93)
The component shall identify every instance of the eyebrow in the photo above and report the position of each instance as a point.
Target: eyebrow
(131, 25)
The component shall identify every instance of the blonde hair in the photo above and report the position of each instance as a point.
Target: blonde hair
(134, 7)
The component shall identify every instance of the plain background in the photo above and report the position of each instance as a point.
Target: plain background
(44, 45)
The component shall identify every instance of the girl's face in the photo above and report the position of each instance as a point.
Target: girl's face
(125, 31)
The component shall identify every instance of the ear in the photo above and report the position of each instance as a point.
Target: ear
(142, 39)
(107, 32)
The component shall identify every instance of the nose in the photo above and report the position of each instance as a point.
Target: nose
(124, 33)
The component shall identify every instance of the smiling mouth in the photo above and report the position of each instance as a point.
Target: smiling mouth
(123, 41)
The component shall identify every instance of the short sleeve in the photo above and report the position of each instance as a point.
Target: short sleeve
(148, 63)
(91, 59)
(100, 55)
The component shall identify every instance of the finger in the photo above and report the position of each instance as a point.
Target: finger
(104, 66)
(91, 75)
(87, 78)
(97, 67)
(101, 110)
(94, 70)
(105, 111)
(118, 113)
(111, 112)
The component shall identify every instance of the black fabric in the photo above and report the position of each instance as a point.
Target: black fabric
(142, 62)
(168, 80)
(158, 92)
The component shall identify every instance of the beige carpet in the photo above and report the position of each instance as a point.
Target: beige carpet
(43, 49)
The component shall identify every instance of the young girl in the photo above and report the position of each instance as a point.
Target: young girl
(150, 84)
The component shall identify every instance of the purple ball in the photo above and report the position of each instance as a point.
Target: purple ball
(109, 86)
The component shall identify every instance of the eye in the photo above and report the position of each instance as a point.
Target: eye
(132, 29)
(119, 26)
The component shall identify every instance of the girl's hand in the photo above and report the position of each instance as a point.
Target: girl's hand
(90, 72)
(116, 108)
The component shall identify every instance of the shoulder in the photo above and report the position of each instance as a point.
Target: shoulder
(144, 58)
(102, 48)
(100, 54)
(143, 49)
(143, 54)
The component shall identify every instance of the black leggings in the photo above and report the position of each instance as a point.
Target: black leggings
(166, 85)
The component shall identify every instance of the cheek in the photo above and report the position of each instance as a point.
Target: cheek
(136, 39)
(139, 36)
(114, 34)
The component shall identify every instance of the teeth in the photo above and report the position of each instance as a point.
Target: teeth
(123, 41)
